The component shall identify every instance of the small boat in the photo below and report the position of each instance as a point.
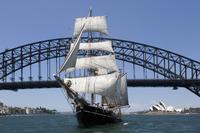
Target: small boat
(92, 82)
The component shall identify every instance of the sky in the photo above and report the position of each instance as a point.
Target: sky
(173, 25)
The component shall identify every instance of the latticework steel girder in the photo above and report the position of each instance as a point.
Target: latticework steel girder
(166, 63)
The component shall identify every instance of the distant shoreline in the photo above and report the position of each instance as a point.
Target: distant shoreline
(161, 113)
(8, 115)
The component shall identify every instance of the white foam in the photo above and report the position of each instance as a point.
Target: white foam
(126, 123)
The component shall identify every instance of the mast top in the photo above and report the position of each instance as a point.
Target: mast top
(92, 24)
(90, 12)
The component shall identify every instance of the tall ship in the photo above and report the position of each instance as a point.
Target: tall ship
(92, 81)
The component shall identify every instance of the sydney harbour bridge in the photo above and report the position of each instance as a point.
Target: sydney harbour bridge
(32, 66)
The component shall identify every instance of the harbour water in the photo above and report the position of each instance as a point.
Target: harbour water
(130, 124)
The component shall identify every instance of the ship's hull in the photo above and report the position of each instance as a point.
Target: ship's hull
(90, 115)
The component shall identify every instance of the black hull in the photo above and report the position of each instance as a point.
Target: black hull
(90, 115)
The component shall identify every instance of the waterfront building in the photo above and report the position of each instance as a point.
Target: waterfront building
(6, 110)
(161, 107)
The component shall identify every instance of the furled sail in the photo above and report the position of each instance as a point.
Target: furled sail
(102, 64)
(104, 45)
(92, 24)
(70, 61)
(104, 85)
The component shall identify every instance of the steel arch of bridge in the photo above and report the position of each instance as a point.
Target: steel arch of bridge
(171, 65)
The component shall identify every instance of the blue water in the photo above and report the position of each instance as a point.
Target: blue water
(130, 124)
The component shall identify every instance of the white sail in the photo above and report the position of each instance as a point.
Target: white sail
(92, 24)
(105, 46)
(102, 64)
(123, 91)
(111, 101)
(104, 85)
(70, 61)
(120, 98)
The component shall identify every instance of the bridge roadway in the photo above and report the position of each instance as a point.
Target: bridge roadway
(14, 86)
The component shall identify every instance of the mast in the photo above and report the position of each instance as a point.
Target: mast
(89, 54)
(90, 33)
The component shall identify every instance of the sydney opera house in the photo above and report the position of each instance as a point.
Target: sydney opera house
(163, 108)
